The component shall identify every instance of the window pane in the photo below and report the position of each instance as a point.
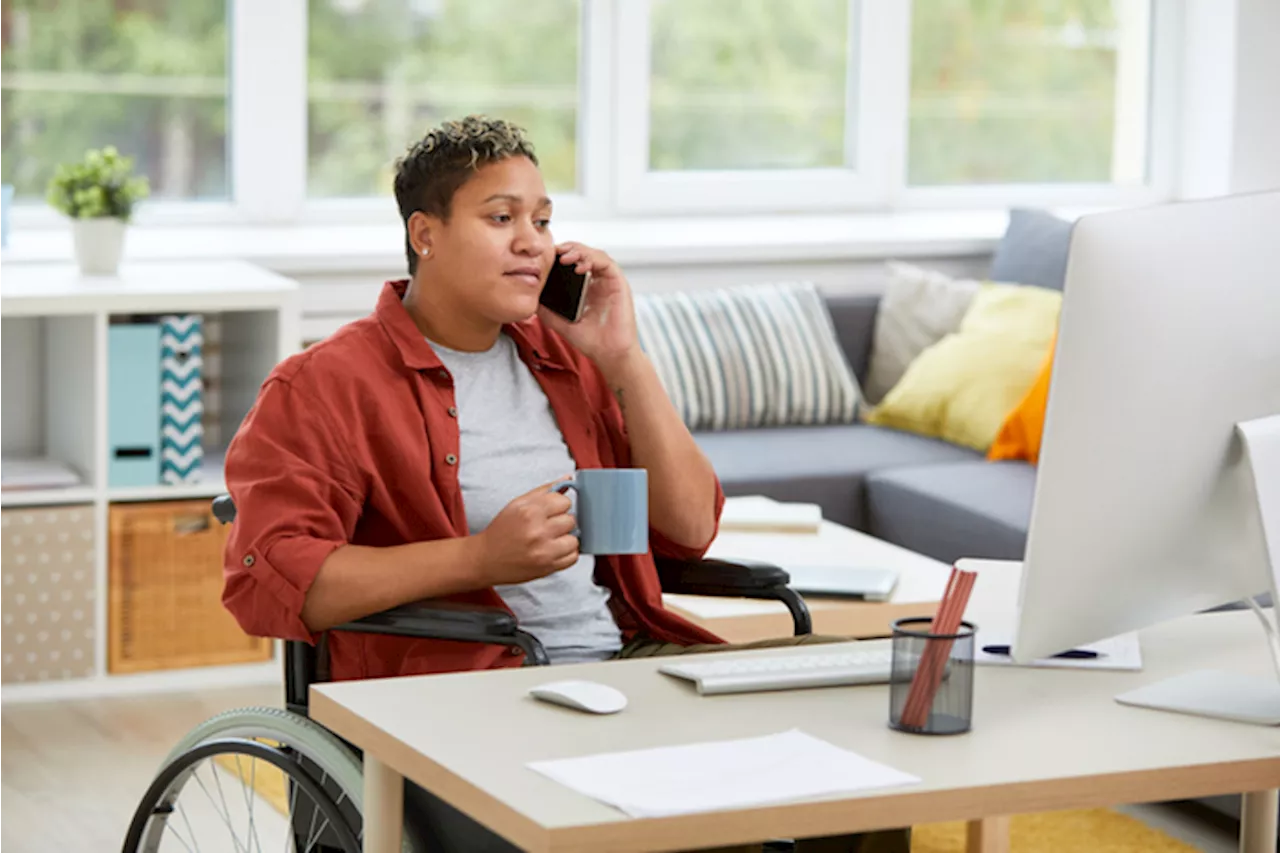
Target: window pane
(147, 76)
(383, 72)
(1042, 91)
(747, 84)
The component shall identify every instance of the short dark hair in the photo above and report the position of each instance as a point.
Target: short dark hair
(433, 168)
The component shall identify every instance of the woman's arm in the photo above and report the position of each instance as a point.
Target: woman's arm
(682, 483)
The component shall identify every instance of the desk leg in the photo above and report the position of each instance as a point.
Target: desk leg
(989, 835)
(1258, 822)
(383, 807)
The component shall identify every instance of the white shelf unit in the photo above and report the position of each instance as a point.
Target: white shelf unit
(55, 405)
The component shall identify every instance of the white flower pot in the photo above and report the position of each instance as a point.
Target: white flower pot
(99, 243)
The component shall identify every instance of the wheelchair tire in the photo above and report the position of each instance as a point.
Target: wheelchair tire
(314, 743)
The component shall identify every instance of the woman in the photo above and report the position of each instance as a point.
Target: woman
(410, 455)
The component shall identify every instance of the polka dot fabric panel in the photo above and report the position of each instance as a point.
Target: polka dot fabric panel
(48, 597)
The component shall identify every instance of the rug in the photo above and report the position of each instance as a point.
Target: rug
(1084, 831)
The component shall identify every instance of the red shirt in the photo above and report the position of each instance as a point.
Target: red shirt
(355, 440)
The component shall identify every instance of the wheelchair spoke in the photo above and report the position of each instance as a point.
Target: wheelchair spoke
(250, 800)
(225, 815)
(182, 811)
(315, 839)
(289, 838)
(311, 829)
(168, 824)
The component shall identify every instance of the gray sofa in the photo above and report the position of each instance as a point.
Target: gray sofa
(926, 495)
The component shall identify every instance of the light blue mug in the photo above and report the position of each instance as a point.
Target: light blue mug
(6, 203)
(612, 511)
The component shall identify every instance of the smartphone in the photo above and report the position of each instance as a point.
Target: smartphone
(566, 291)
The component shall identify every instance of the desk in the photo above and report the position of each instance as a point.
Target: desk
(920, 585)
(1043, 740)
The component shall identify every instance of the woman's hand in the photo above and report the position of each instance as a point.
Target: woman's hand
(606, 333)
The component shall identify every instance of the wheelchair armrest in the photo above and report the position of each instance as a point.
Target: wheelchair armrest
(737, 579)
(719, 577)
(447, 620)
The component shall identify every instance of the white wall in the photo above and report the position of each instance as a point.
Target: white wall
(1230, 106)
(1256, 144)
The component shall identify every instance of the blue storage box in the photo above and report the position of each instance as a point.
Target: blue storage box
(133, 404)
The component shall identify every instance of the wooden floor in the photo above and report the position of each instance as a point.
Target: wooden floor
(74, 771)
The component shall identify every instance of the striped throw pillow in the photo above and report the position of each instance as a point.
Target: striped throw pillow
(749, 356)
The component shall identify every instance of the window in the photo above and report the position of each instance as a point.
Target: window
(295, 111)
(1030, 92)
(747, 85)
(147, 77)
(381, 73)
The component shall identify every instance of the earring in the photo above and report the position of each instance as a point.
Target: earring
(426, 250)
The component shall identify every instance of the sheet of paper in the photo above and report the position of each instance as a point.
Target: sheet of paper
(1120, 652)
(734, 774)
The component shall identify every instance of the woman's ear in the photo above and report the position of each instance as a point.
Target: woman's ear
(420, 228)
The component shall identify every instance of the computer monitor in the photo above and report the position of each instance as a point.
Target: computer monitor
(1146, 503)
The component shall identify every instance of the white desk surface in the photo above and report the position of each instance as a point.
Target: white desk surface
(1042, 740)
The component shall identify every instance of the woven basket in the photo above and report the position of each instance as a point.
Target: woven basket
(165, 588)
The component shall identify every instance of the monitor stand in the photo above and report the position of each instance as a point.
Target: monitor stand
(1230, 695)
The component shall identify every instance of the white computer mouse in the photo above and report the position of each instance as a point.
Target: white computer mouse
(582, 695)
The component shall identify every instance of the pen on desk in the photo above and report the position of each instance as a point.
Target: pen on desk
(1073, 654)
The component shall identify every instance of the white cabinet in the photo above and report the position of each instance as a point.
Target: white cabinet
(55, 404)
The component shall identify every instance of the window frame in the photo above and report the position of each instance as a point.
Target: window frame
(1163, 78)
(268, 108)
(858, 184)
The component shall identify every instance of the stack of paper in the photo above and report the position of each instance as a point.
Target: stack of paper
(23, 473)
(756, 513)
(734, 774)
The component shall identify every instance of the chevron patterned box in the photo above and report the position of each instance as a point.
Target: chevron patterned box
(181, 398)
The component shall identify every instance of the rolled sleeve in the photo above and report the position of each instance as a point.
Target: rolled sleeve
(296, 503)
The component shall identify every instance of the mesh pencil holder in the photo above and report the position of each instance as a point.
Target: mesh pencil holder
(931, 684)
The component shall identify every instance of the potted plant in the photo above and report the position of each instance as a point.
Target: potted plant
(98, 193)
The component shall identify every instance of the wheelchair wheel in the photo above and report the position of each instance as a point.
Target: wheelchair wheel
(255, 779)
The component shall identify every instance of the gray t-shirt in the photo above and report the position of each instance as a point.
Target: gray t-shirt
(511, 443)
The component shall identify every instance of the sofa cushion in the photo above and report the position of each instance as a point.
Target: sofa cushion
(749, 356)
(961, 388)
(1033, 249)
(919, 308)
(854, 317)
(953, 510)
(825, 465)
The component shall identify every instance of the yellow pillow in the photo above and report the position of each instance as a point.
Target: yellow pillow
(961, 388)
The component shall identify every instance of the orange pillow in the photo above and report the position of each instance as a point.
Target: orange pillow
(1019, 435)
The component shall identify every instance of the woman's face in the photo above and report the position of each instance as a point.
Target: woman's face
(493, 255)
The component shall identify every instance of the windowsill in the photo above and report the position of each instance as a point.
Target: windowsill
(329, 248)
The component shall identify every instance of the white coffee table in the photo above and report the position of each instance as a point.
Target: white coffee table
(920, 585)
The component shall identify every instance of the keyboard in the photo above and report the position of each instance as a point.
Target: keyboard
(869, 664)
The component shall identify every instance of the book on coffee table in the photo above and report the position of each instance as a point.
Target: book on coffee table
(759, 514)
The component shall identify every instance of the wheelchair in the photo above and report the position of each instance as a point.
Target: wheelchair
(318, 773)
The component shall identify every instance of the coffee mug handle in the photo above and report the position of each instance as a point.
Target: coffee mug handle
(564, 487)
